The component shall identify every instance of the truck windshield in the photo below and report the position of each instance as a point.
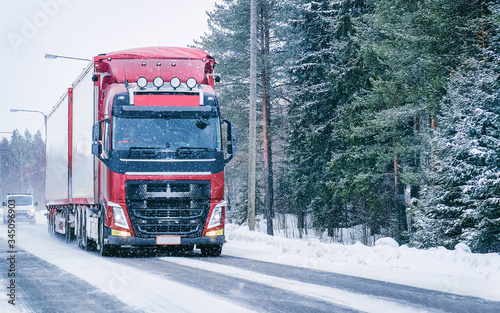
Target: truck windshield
(21, 200)
(169, 133)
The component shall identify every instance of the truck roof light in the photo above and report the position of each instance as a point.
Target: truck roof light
(191, 82)
(158, 82)
(142, 82)
(175, 82)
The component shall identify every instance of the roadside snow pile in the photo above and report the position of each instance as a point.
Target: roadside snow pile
(386, 254)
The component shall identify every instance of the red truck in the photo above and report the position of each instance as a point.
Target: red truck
(136, 156)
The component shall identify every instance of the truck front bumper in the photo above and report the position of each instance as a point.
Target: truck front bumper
(135, 241)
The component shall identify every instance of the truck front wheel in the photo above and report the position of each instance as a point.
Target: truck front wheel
(105, 249)
(87, 244)
(211, 250)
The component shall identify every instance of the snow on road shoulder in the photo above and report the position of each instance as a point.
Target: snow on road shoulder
(439, 269)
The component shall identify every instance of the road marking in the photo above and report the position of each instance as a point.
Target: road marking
(325, 293)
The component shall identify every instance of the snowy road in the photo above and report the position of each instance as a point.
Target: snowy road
(52, 276)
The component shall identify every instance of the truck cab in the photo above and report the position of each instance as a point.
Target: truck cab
(161, 144)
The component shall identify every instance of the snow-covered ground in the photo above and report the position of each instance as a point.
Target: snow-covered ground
(457, 271)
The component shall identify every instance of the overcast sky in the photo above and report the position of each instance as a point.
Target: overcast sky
(78, 28)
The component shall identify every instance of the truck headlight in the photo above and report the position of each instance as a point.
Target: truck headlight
(216, 217)
(118, 215)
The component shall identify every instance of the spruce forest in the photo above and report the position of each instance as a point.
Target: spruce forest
(22, 165)
(381, 113)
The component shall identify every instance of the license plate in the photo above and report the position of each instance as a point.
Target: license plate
(168, 240)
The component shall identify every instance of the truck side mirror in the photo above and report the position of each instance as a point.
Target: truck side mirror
(97, 138)
(231, 141)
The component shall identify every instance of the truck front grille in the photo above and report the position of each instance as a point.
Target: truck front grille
(168, 207)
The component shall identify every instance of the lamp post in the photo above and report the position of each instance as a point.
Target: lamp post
(54, 56)
(44, 120)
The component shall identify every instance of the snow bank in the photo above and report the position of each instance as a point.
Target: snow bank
(436, 268)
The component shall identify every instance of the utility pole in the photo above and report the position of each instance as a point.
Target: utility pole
(252, 132)
(266, 121)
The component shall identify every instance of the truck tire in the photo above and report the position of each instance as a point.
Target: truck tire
(50, 226)
(69, 231)
(86, 243)
(79, 237)
(105, 249)
(211, 250)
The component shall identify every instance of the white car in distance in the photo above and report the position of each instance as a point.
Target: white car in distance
(23, 206)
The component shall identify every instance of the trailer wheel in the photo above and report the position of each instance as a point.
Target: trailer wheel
(211, 250)
(79, 237)
(50, 226)
(105, 249)
(69, 232)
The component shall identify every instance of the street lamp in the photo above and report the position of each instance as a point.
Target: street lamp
(53, 56)
(5, 133)
(44, 119)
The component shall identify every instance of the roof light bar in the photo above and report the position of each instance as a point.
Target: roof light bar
(142, 82)
(191, 82)
(175, 82)
(158, 82)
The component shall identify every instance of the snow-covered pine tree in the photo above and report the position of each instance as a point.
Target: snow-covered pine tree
(462, 204)
(312, 108)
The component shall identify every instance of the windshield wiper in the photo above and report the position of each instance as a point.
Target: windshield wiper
(191, 152)
(144, 148)
(193, 149)
(144, 152)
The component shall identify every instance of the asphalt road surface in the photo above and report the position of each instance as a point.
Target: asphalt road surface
(56, 285)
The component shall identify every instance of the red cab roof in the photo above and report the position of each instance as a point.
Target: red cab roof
(150, 62)
(158, 53)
